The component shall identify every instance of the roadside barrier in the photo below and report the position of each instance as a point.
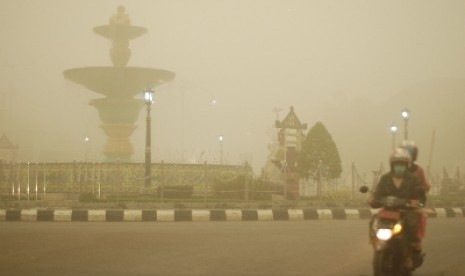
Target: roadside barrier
(173, 215)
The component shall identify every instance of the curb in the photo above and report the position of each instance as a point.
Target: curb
(172, 215)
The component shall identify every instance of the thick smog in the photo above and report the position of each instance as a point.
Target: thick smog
(264, 133)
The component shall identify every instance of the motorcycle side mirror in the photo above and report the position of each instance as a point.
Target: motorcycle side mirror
(363, 189)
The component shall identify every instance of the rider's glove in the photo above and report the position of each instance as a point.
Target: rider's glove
(415, 203)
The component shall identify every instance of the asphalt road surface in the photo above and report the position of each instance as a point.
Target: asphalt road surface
(320, 248)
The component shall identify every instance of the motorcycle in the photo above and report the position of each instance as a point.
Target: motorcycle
(393, 255)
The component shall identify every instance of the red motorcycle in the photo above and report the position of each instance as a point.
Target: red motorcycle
(393, 255)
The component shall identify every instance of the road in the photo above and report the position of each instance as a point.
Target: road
(317, 247)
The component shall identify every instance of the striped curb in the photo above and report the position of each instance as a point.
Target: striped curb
(171, 215)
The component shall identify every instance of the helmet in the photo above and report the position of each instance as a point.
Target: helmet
(400, 155)
(411, 147)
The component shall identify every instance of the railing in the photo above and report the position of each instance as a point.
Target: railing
(179, 183)
(99, 179)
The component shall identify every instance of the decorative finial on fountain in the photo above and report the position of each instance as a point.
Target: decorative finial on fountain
(120, 32)
(120, 18)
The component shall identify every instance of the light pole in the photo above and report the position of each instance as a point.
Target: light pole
(220, 139)
(28, 178)
(148, 98)
(393, 128)
(86, 140)
(405, 113)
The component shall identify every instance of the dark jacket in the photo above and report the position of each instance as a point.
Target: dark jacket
(420, 173)
(409, 189)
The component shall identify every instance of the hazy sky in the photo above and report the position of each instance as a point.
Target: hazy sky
(352, 65)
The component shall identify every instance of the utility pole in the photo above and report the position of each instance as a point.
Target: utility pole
(430, 159)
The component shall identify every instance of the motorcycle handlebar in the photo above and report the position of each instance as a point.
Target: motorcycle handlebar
(393, 202)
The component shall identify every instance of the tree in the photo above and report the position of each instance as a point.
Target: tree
(319, 152)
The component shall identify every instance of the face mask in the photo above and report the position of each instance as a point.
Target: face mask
(399, 169)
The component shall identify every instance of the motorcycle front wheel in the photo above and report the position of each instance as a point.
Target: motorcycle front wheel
(388, 263)
(384, 263)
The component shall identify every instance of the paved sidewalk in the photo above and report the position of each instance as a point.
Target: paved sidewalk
(171, 215)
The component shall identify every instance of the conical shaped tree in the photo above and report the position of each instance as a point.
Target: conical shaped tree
(319, 148)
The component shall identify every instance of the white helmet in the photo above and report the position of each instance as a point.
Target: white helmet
(412, 149)
(400, 155)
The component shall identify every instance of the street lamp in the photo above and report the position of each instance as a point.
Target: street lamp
(405, 113)
(148, 98)
(221, 138)
(86, 140)
(393, 128)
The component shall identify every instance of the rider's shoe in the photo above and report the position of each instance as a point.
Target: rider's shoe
(417, 258)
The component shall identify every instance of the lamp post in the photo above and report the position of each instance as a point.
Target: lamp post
(393, 128)
(28, 178)
(405, 113)
(220, 139)
(86, 140)
(148, 98)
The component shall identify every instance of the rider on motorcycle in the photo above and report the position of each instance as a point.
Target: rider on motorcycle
(420, 173)
(401, 183)
(414, 167)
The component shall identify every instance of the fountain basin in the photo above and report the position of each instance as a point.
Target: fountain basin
(118, 82)
(118, 32)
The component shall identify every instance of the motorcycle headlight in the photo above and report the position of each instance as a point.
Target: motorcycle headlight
(384, 234)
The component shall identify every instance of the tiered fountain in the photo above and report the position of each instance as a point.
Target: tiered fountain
(119, 110)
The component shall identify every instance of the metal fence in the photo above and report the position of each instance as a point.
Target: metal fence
(201, 182)
(109, 179)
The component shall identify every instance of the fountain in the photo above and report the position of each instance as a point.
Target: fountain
(119, 110)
